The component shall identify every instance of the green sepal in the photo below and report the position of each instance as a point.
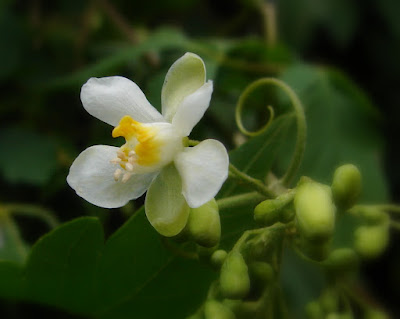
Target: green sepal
(166, 208)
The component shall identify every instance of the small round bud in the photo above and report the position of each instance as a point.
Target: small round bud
(346, 186)
(341, 260)
(371, 241)
(269, 211)
(261, 274)
(234, 278)
(316, 250)
(218, 257)
(339, 315)
(329, 301)
(373, 215)
(216, 310)
(314, 310)
(204, 224)
(375, 314)
(315, 211)
(287, 215)
(197, 315)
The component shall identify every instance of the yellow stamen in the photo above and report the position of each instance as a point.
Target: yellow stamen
(141, 143)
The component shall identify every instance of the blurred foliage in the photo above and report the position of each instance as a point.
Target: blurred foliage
(341, 57)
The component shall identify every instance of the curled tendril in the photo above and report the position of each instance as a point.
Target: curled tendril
(239, 107)
(300, 121)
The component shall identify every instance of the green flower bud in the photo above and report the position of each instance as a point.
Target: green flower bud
(346, 186)
(314, 310)
(204, 224)
(329, 301)
(269, 211)
(339, 315)
(218, 258)
(375, 314)
(341, 260)
(371, 241)
(316, 250)
(234, 278)
(287, 215)
(216, 310)
(315, 211)
(242, 309)
(261, 274)
(197, 315)
(372, 215)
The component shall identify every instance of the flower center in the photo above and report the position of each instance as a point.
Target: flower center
(141, 147)
(148, 147)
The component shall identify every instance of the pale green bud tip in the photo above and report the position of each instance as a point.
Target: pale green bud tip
(270, 211)
(204, 224)
(234, 278)
(342, 259)
(314, 310)
(375, 314)
(218, 258)
(371, 241)
(346, 186)
(316, 250)
(216, 310)
(267, 212)
(261, 272)
(372, 215)
(315, 211)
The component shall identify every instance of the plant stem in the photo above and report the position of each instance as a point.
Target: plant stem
(240, 200)
(255, 183)
(33, 211)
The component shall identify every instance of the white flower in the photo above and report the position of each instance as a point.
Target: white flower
(154, 157)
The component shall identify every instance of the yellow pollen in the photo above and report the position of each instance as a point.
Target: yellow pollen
(141, 143)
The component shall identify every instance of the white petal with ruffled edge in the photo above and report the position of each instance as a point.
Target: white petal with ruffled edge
(184, 77)
(92, 177)
(203, 169)
(192, 109)
(110, 98)
(165, 207)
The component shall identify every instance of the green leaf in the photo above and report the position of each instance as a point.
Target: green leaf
(137, 276)
(160, 40)
(11, 275)
(60, 269)
(30, 158)
(342, 128)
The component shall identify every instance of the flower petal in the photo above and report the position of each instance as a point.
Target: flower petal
(184, 77)
(110, 98)
(203, 169)
(92, 177)
(192, 109)
(165, 207)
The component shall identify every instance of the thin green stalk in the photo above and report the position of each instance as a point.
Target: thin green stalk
(255, 183)
(240, 200)
(33, 211)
